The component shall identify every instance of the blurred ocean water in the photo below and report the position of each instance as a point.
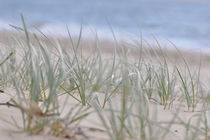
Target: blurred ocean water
(185, 23)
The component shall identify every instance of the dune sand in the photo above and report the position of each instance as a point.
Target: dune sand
(91, 127)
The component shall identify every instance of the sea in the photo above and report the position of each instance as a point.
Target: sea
(183, 23)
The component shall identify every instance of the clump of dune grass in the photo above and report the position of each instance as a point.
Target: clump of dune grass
(122, 89)
(38, 77)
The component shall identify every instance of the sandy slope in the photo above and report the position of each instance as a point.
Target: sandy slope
(91, 128)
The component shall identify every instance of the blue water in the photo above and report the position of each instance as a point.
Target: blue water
(185, 23)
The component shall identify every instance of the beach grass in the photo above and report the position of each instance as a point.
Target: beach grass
(57, 86)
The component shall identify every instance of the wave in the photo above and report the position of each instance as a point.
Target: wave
(109, 34)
